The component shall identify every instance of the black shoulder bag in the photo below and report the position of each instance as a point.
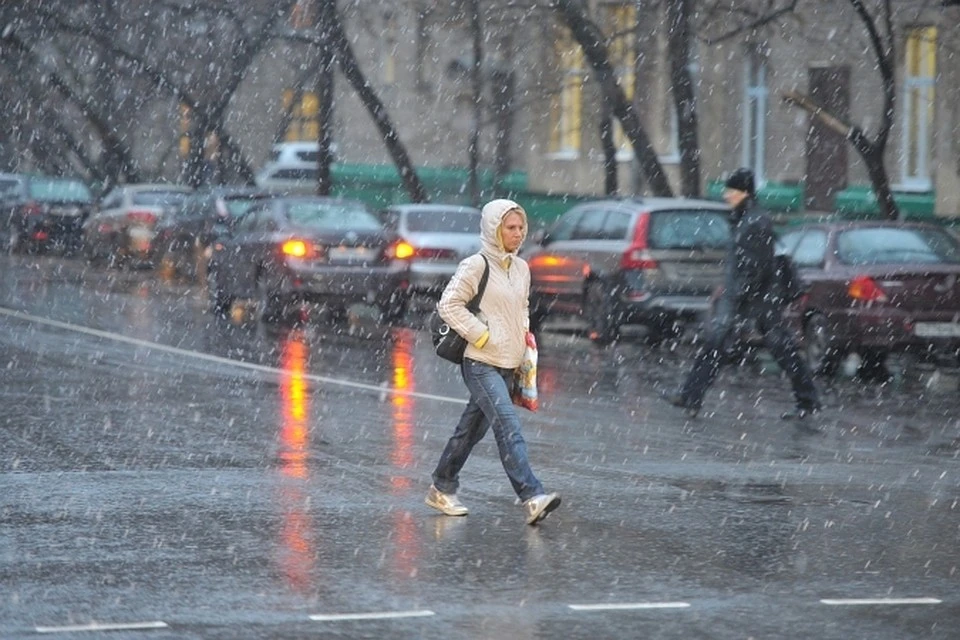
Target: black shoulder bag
(449, 344)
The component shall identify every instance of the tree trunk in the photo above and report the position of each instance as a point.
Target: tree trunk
(591, 39)
(609, 152)
(476, 82)
(503, 107)
(325, 93)
(678, 48)
(354, 75)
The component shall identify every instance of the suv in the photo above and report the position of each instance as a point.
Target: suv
(652, 261)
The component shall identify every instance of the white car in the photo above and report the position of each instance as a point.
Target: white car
(434, 238)
(292, 167)
(123, 228)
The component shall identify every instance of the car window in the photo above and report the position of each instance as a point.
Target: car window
(590, 226)
(248, 221)
(563, 228)
(59, 191)
(238, 206)
(331, 216)
(808, 249)
(887, 245)
(616, 225)
(161, 198)
(444, 221)
(688, 229)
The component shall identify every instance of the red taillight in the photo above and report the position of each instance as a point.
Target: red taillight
(866, 289)
(147, 218)
(300, 249)
(637, 256)
(427, 253)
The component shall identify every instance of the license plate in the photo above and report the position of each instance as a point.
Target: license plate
(937, 329)
(351, 254)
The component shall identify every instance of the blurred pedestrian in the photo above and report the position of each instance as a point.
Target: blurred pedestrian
(496, 340)
(750, 293)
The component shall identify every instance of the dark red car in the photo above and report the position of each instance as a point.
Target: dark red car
(875, 288)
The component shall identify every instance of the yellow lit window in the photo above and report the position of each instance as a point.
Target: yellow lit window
(918, 107)
(620, 23)
(567, 103)
(303, 110)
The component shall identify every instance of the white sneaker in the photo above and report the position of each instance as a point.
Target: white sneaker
(539, 506)
(446, 503)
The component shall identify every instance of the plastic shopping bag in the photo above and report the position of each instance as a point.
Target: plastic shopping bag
(524, 392)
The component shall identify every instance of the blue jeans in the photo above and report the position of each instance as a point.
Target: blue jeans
(489, 406)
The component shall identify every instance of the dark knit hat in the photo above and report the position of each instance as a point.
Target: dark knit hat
(741, 180)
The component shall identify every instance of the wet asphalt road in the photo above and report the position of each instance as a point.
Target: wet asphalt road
(183, 477)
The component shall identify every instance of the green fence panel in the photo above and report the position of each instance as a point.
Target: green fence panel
(860, 202)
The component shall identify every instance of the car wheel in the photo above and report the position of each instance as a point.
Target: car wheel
(820, 348)
(269, 306)
(601, 315)
(220, 302)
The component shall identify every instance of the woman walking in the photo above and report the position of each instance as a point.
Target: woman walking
(496, 340)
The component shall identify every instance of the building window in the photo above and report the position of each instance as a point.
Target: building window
(755, 114)
(302, 110)
(918, 108)
(567, 104)
(620, 25)
(388, 58)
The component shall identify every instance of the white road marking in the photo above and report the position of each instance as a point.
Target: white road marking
(878, 601)
(381, 615)
(116, 337)
(628, 606)
(104, 626)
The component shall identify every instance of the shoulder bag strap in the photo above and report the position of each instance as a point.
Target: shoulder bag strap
(474, 304)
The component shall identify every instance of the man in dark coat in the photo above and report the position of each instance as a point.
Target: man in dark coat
(749, 293)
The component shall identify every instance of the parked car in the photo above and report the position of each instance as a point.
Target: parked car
(289, 250)
(434, 238)
(183, 238)
(874, 288)
(123, 229)
(292, 166)
(39, 213)
(652, 261)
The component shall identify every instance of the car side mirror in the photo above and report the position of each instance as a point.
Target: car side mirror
(539, 237)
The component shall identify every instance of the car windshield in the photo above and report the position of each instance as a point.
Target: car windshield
(59, 191)
(444, 221)
(239, 206)
(161, 198)
(332, 216)
(689, 230)
(897, 246)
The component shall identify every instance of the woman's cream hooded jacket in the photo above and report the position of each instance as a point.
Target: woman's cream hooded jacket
(497, 336)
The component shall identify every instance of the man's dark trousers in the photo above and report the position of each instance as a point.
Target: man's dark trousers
(776, 338)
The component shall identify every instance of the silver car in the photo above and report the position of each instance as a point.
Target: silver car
(434, 238)
(649, 261)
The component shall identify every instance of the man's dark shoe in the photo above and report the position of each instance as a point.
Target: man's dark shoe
(801, 412)
(676, 399)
